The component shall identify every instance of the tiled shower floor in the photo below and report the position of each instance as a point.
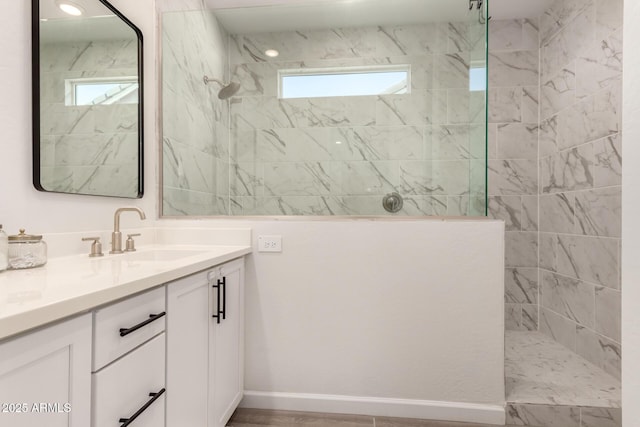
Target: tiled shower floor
(549, 386)
(540, 371)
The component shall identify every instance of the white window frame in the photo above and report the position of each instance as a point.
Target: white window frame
(475, 65)
(71, 84)
(344, 70)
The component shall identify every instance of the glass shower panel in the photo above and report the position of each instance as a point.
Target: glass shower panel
(478, 110)
(416, 147)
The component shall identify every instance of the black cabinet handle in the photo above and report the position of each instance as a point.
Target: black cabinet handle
(152, 317)
(224, 297)
(217, 315)
(154, 397)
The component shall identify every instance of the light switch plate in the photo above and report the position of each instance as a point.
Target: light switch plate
(269, 243)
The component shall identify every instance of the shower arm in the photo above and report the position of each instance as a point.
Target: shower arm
(207, 79)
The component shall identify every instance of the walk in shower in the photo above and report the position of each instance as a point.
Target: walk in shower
(326, 108)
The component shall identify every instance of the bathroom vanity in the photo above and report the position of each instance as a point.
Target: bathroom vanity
(103, 342)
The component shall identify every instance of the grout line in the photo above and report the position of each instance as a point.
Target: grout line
(576, 278)
(588, 236)
(539, 275)
(583, 327)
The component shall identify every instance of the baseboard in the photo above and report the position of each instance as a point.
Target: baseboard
(374, 406)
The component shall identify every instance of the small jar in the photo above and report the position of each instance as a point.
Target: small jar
(4, 250)
(26, 251)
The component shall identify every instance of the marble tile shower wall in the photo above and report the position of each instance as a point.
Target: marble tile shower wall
(195, 122)
(340, 155)
(513, 157)
(580, 177)
(87, 141)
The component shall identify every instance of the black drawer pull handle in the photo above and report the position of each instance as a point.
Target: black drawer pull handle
(152, 317)
(154, 397)
(217, 315)
(224, 298)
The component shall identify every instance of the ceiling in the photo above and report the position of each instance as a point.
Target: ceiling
(284, 15)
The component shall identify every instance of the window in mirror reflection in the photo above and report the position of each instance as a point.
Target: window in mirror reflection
(104, 91)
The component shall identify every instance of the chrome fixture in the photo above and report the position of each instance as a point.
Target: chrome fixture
(96, 246)
(227, 91)
(116, 236)
(392, 202)
(479, 5)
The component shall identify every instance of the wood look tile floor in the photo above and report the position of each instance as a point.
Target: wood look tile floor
(262, 418)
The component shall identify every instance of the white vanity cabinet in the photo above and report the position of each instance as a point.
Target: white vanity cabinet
(205, 346)
(45, 376)
(139, 349)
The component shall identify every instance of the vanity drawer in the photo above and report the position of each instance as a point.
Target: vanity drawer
(123, 388)
(121, 327)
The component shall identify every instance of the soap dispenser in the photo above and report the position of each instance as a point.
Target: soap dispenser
(4, 250)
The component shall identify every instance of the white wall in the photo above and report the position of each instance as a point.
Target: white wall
(21, 206)
(630, 219)
(369, 310)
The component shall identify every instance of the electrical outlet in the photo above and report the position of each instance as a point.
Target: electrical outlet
(269, 243)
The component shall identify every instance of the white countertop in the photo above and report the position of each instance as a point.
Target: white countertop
(76, 284)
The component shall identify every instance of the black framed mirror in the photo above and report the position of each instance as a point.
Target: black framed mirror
(87, 99)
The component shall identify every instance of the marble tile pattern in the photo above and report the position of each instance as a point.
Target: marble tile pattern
(195, 132)
(341, 155)
(548, 385)
(580, 167)
(514, 131)
(540, 371)
(87, 149)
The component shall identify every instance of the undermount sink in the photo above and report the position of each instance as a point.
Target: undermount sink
(161, 254)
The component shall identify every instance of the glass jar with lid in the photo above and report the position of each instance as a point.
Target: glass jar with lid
(4, 250)
(26, 251)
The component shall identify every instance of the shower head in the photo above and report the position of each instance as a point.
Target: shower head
(227, 91)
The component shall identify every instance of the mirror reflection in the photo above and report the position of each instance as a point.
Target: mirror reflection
(87, 99)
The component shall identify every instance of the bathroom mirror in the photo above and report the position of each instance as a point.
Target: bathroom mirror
(87, 99)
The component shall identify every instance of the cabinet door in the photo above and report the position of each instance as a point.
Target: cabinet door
(45, 377)
(227, 344)
(188, 351)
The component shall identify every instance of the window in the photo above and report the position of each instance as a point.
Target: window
(477, 76)
(346, 81)
(102, 91)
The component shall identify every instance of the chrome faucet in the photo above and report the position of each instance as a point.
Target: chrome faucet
(116, 236)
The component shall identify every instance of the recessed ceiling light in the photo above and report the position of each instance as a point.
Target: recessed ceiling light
(70, 7)
(271, 53)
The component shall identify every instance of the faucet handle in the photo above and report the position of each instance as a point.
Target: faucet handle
(96, 246)
(130, 243)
